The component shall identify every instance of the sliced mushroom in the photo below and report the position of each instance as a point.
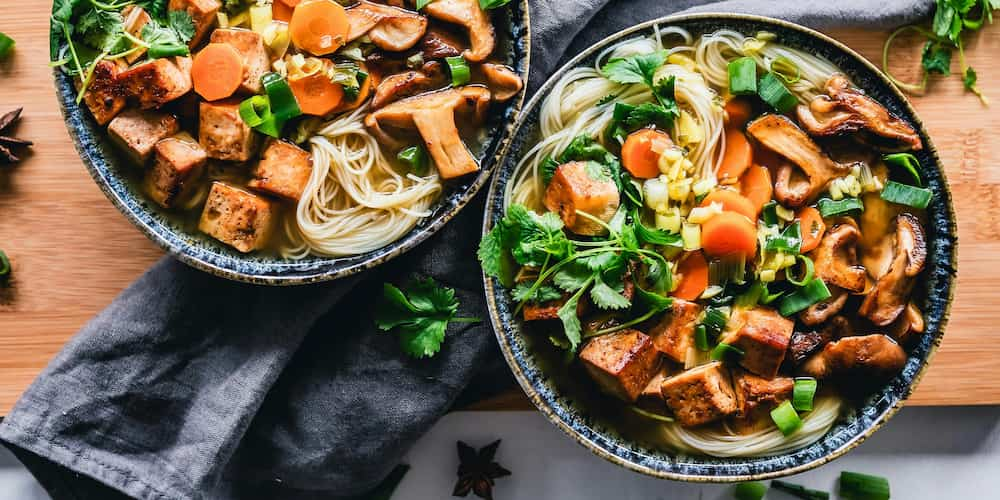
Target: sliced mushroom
(865, 358)
(408, 83)
(433, 115)
(471, 16)
(502, 80)
(804, 344)
(847, 110)
(438, 44)
(892, 291)
(908, 326)
(825, 309)
(836, 259)
(390, 28)
(796, 187)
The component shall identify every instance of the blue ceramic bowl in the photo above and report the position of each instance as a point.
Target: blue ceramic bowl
(571, 403)
(117, 178)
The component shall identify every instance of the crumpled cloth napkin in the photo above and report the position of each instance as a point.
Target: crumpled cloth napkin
(190, 386)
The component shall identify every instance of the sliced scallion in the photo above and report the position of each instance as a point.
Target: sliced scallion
(701, 338)
(830, 208)
(786, 69)
(725, 351)
(773, 91)
(799, 300)
(908, 162)
(752, 296)
(750, 491)
(906, 195)
(460, 73)
(786, 418)
(715, 320)
(803, 393)
(415, 158)
(807, 273)
(769, 214)
(857, 486)
(799, 491)
(743, 76)
(790, 240)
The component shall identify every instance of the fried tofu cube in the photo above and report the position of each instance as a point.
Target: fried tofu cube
(700, 395)
(674, 334)
(283, 170)
(137, 132)
(136, 19)
(104, 97)
(177, 164)
(223, 134)
(584, 187)
(155, 83)
(203, 13)
(755, 394)
(763, 335)
(621, 363)
(250, 45)
(238, 218)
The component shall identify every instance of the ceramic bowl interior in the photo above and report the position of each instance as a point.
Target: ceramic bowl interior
(118, 179)
(570, 402)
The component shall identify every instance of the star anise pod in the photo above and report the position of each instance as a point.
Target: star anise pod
(9, 142)
(477, 470)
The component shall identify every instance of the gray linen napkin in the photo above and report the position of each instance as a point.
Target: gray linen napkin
(190, 386)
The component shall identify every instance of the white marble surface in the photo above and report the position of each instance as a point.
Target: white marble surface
(927, 453)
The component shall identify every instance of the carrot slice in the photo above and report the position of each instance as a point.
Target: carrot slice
(290, 3)
(757, 187)
(316, 93)
(812, 227)
(738, 112)
(693, 272)
(217, 71)
(319, 26)
(363, 92)
(728, 233)
(731, 201)
(282, 10)
(737, 157)
(641, 152)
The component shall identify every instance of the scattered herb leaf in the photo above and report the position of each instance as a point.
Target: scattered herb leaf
(420, 315)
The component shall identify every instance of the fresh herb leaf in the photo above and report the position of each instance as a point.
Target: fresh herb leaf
(606, 297)
(491, 251)
(936, 58)
(570, 321)
(531, 239)
(101, 30)
(182, 24)
(634, 117)
(420, 315)
(969, 79)
(544, 293)
(420, 4)
(573, 277)
(664, 92)
(492, 4)
(607, 99)
(597, 172)
(634, 69)
(585, 148)
(169, 39)
(549, 167)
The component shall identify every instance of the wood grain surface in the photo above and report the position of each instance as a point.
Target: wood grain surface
(72, 252)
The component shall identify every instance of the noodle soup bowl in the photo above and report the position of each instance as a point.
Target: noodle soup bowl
(121, 182)
(565, 394)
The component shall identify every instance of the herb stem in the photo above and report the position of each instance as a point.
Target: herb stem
(909, 87)
(85, 80)
(558, 265)
(135, 40)
(626, 324)
(72, 50)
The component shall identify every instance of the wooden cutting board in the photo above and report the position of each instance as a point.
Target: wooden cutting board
(72, 252)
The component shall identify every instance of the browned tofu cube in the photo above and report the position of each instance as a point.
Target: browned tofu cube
(621, 363)
(223, 134)
(755, 394)
(202, 12)
(155, 83)
(177, 164)
(137, 132)
(283, 170)
(136, 19)
(700, 395)
(763, 336)
(238, 218)
(674, 334)
(250, 45)
(580, 186)
(104, 97)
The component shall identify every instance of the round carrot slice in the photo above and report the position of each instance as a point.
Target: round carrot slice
(738, 111)
(641, 152)
(316, 93)
(729, 233)
(693, 273)
(731, 201)
(757, 187)
(217, 71)
(319, 26)
(737, 157)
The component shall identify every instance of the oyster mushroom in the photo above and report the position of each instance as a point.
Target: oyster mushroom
(864, 358)
(892, 291)
(846, 109)
(503, 81)
(433, 116)
(390, 28)
(408, 83)
(470, 16)
(908, 325)
(805, 343)
(825, 309)
(836, 259)
(796, 187)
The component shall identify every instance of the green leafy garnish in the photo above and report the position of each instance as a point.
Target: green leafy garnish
(420, 315)
(492, 4)
(936, 58)
(170, 38)
(524, 292)
(635, 69)
(641, 68)
(607, 99)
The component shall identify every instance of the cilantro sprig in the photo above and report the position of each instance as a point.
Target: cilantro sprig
(640, 69)
(951, 19)
(420, 314)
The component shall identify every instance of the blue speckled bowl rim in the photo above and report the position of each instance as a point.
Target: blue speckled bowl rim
(101, 161)
(877, 409)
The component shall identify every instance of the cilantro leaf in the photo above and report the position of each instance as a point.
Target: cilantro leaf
(170, 39)
(597, 172)
(491, 252)
(664, 92)
(532, 240)
(585, 148)
(601, 261)
(549, 167)
(570, 321)
(936, 58)
(522, 293)
(420, 315)
(607, 297)
(634, 69)
(607, 99)
(969, 79)
(944, 17)
(573, 277)
(102, 30)
(648, 114)
(182, 24)
(155, 8)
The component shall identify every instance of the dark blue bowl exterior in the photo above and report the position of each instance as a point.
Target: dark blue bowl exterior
(205, 253)
(599, 435)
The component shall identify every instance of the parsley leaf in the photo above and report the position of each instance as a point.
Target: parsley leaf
(607, 297)
(532, 240)
(155, 8)
(170, 39)
(549, 167)
(545, 293)
(102, 30)
(420, 315)
(635, 69)
(936, 58)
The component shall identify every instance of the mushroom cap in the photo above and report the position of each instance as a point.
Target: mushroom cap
(503, 81)
(836, 260)
(892, 291)
(390, 28)
(865, 358)
(471, 16)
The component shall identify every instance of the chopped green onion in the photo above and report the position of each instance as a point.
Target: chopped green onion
(786, 69)
(460, 73)
(724, 351)
(715, 320)
(415, 158)
(743, 76)
(161, 50)
(908, 162)
(807, 276)
(857, 486)
(829, 208)
(769, 214)
(767, 298)
(906, 195)
(750, 491)
(800, 491)
(419, 4)
(790, 240)
(279, 93)
(6, 45)
(803, 393)
(773, 92)
(255, 110)
(799, 300)
(752, 296)
(4, 266)
(786, 418)
(701, 338)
